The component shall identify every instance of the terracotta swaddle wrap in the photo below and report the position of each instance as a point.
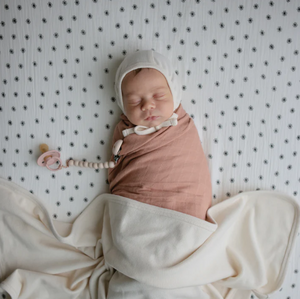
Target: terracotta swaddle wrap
(167, 168)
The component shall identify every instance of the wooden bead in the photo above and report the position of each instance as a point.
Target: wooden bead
(94, 165)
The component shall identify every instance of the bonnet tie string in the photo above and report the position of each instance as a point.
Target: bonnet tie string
(142, 130)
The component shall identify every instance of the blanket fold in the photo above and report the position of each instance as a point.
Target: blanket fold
(122, 248)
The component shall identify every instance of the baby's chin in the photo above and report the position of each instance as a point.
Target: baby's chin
(151, 123)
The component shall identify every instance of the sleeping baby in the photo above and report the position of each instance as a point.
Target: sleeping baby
(161, 161)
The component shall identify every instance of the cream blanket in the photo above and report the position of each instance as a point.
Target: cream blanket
(121, 248)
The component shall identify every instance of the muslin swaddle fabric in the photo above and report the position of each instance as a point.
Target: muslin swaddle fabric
(167, 168)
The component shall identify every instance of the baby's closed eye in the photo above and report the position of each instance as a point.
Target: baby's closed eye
(159, 96)
(137, 100)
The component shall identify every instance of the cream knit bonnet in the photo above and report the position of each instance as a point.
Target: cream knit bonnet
(148, 59)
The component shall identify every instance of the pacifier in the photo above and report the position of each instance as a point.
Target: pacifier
(49, 158)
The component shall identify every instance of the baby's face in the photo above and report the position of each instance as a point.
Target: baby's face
(144, 94)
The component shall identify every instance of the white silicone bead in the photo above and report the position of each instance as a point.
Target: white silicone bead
(95, 165)
(90, 164)
(71, 163)
(105, 164)
(101, 165)
(85, 164)
(80, 163)
(76, 163)
(111, 164)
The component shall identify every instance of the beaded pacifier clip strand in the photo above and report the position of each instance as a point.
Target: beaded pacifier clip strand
(49, 158)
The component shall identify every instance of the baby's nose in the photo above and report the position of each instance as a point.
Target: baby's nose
(148, 105)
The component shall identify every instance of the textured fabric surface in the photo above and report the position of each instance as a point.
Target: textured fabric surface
(238, 62)
(167, 168)
(119, 248)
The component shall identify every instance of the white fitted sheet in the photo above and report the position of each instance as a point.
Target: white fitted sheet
(239, 63)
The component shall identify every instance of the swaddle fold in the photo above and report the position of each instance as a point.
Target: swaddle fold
(167, 168)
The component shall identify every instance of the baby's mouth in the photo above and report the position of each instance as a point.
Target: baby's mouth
(152, 118)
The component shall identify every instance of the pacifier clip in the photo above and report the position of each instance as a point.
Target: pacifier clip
(49, 158)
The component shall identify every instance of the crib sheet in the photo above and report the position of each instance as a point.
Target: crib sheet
(239, 64)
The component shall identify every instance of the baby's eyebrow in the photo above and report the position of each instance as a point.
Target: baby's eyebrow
(132, 93)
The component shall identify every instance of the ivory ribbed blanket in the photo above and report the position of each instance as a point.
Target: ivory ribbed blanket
(120, 248)
(167, 168)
